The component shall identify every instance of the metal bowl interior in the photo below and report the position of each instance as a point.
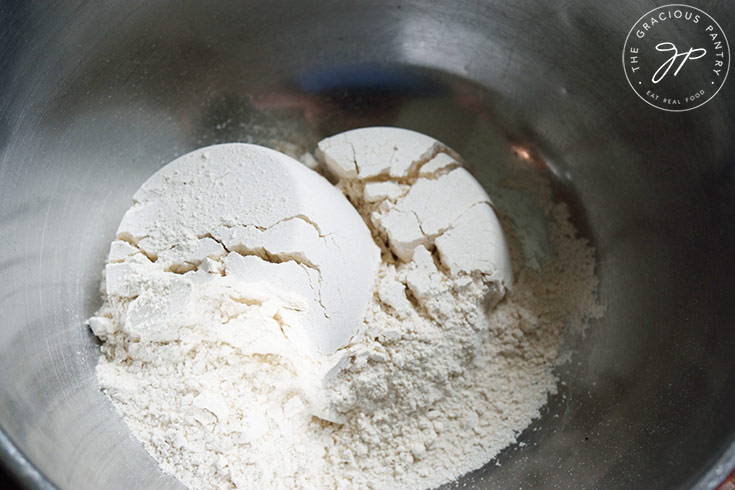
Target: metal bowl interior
(94, 97)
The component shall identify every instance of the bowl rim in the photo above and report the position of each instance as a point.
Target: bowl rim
(20, 467)
(28, 476)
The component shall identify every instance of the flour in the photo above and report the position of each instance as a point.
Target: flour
(259, 215)
(215, 376)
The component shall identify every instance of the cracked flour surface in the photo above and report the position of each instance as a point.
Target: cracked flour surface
(206, 355)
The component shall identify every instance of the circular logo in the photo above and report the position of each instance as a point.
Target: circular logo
(676, 57)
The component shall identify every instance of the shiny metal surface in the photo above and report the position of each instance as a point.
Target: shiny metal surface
(95, 96)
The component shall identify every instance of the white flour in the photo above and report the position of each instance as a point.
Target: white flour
(438, 382)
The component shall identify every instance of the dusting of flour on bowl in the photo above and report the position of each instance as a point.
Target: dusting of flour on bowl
(453, 359)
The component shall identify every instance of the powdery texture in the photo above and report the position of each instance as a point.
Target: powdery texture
(444, 376)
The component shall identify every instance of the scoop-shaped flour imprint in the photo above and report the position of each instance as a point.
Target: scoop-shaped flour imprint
(257, 216)
(420, 195)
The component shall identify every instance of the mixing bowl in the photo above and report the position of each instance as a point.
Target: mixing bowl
(95, 96)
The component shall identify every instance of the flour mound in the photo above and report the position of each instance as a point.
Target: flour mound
(454, 359)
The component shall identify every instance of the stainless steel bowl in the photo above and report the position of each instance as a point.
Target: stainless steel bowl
(95, 96)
